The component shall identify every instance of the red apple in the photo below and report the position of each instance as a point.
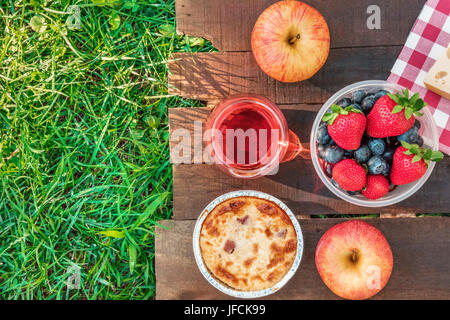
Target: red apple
(290, 41)
(354, 260)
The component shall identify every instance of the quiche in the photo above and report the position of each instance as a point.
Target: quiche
(248, 243)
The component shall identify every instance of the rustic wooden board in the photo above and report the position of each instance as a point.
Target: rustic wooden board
(418, 245)
(228, 24)
(213, 75)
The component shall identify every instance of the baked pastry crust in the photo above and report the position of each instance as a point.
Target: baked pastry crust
(248, 243)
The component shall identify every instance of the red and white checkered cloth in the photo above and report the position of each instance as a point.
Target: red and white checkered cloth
(427, 41)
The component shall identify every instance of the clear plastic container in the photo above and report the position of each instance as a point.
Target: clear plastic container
(428, 131)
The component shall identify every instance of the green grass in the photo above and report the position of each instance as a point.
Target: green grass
(84, 145)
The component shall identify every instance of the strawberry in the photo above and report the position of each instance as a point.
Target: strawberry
(392, 115)
(411, 162)
(376, 187)
(349, 175)
(345, 126)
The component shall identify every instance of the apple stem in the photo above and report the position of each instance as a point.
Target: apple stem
(292, 40)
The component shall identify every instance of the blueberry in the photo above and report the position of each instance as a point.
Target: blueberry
(409, 136)
(362, 155)
(419, 141)
(392, 142)
(328, 169)
(349, 154)
(353, 193)
(377, 146)
(321, 148)
(333, 154)
(380, 93)
(368, 103)
(386, 171)
(358, 96)
(322, 135)
(344, 102)
(388, 155)
(417, 124)
(377, 165)
(335, 183)
(331, 142)
(357, 106)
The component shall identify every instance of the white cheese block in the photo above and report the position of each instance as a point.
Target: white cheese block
(438, 78)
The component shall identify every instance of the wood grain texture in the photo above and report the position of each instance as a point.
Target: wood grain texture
(418, 245)
(215, 75)
(297, 185)
(182, 122)
(228, 24)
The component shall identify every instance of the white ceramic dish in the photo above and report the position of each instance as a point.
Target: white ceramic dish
(428, 131)
(219, 285)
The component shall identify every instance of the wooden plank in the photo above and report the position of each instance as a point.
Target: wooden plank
(213, 75)
(228, 24)
(299, 187)
(420, 267)
(182, 122)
